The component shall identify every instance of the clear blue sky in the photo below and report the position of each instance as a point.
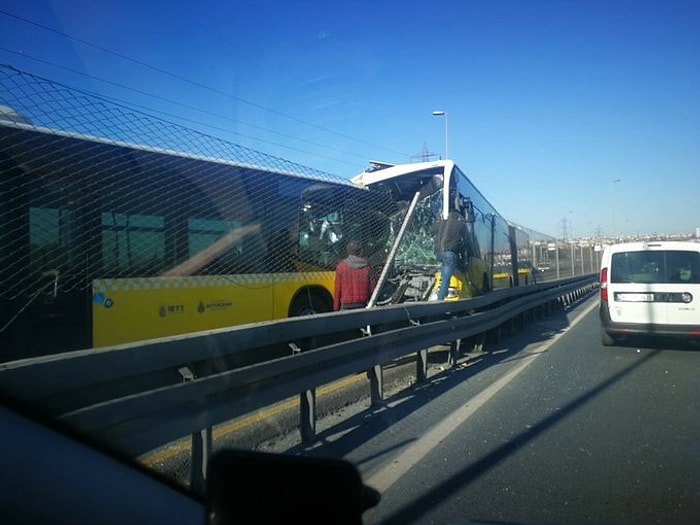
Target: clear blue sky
(548, 102)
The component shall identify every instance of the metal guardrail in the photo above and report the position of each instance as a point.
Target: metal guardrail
(140, 396)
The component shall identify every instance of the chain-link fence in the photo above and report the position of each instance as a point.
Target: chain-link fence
(105, 212)
(42, 103)
(553, 258)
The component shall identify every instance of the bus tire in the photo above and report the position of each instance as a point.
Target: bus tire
(310, 302)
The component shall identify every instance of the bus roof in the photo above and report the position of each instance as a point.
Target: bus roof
(381, 171)
(9, 127)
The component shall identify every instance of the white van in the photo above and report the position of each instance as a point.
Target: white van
(650, 288)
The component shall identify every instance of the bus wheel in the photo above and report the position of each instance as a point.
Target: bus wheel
(307, 303)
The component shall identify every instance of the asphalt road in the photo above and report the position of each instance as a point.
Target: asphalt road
(546, 427)
(558, 430)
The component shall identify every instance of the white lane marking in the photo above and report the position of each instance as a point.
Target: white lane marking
(388, 475)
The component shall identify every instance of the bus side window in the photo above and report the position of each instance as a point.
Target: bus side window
(132, 245)
(245, 254)
(204, 233)
(53, 246)
(44, 239)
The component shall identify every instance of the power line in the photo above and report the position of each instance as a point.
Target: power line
(193, 82)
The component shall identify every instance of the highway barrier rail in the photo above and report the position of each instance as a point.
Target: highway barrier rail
(137, 397)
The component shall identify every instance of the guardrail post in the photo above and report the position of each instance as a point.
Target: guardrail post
(376, 384)
(422, 366)
(477, 344)
(494, 335)
(201, 450)
(454, 352)
(307, 416)
(201, 446)
(421, 359)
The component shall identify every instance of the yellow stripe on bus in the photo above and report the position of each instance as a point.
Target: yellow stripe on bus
(136, 309)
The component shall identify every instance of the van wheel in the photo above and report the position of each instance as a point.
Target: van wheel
(606, 338)
(308, 304)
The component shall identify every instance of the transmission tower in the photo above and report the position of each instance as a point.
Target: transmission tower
(424, 155)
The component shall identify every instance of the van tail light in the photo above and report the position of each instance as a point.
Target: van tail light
(604, 285)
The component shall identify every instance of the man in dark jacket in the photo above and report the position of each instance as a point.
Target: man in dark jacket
(449, 244)
(353, 280)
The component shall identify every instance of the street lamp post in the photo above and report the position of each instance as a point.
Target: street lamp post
(444, 114)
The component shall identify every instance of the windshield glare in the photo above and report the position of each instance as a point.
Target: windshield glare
(201, 277)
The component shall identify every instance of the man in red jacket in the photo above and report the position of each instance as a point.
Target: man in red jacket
(353, 280)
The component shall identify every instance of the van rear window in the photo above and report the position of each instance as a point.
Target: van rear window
(667, 266)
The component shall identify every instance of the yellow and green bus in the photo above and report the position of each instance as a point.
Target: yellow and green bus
(104, 242)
